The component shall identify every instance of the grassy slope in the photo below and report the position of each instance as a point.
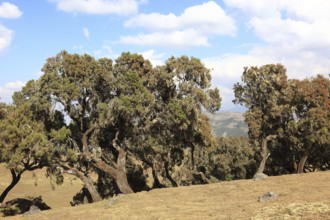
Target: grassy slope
(301, 196)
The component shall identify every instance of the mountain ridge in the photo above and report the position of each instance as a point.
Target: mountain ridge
(228, 123)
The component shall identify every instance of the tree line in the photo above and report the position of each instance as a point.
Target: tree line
(140, 127)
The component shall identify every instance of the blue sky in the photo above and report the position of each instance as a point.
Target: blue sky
(225, 34)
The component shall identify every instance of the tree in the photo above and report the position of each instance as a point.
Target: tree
(127, 111)
(24, 145)
(311, 126)
(265, 92)
(80, 86)
(182, 90)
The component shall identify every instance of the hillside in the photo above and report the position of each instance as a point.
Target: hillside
(228, 124)
(300, 196)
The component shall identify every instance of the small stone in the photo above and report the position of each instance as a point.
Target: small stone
(268, 197)
(260, 176)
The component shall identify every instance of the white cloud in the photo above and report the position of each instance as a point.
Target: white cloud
(301, 23)
(8, 10)
(300, 64)
(5, 37)
(208, 18)
(7, 90)
(185, 38)
(154, 21)
(153, 57)
(294, 33)
(306, 10)
(101, 7)
(192, 28)
(228, 69)
(86, 33)
(302, 35)
(227, 96)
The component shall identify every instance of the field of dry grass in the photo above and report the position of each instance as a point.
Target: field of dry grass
(300, 196)
(36, 184)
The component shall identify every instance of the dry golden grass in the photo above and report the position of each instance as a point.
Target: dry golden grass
(36, 184)
(300, 196)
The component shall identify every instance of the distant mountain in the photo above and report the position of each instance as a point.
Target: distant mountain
(228, 124)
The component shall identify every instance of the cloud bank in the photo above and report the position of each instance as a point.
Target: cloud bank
(192, 28)
(292, 32)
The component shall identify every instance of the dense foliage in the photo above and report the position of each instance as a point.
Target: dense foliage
(24, 145)
(290, 116)
(122, 119)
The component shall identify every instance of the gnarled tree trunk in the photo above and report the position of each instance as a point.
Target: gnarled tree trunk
(265, 153)
(119, 172)
(121, 175)
(15, 179)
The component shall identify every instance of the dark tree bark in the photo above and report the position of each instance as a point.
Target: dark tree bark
(16, 176)
(193, 156)
(265, 153)
(157, 183)
(118, 173)
(15, 179)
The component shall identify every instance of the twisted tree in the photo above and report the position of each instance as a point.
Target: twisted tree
(109, 114)
(265, 92)
(24, 146)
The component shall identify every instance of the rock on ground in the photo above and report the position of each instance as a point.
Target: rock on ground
(260, 176)
(268, 197)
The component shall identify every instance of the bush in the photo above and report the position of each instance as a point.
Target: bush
(233, 158)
